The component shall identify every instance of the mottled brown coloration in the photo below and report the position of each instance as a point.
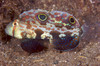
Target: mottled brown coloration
(86, 54)
(48, 28)
(62, 29)
(29, 26)
(35, 26)
(44, 26)
(40, 26)
(21, 26)
(58, 18)
(56, 13)
(32, 28)
(38, 32)
(28, 22)
(27, 17)
(60, 25)
(23, 19)
(22, 29)
(22, 34)
(53, 29)
(30, 12)
(32, 17)
(64, 15)
(52, 20)
(58, 28)
(52, 16)
(33, 22)
(24, 14)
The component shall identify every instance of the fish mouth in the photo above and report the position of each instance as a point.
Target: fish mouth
(8, 29)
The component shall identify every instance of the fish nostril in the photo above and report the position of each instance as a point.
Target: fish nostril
(14, 23)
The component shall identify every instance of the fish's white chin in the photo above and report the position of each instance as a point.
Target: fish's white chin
(9, 29)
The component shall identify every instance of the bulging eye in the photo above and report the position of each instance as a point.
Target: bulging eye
(71, 20)
(42, 17)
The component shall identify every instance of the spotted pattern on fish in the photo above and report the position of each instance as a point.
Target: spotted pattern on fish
(61, 27)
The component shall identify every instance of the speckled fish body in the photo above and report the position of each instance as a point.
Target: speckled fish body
(61, 27)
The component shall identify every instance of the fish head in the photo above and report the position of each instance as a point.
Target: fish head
(12, 29)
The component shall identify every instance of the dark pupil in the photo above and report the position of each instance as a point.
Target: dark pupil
(72, 20)
(42, 17)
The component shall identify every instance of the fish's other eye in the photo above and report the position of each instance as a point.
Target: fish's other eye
(42, 17)
(71, 20)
